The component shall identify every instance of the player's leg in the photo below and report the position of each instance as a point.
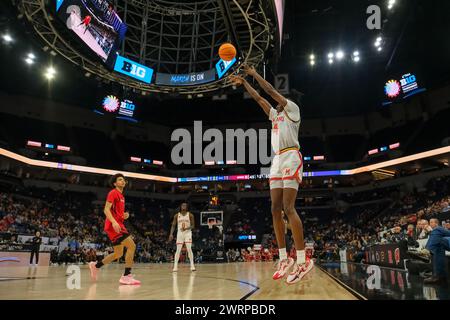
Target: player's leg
(289, 197)
(94, 266)
(177, 256)
(191, 255)
(284, 263)
(127, 277)
(117, 254)
(129, 256)
(301, 267)
(276, 196)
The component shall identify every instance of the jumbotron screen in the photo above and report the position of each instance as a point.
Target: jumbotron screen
(95, 23)
(398, 88)
(119, 107)
(279, 6)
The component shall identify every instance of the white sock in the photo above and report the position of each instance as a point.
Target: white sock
(282, 253)
(177, 256)
(301, 259)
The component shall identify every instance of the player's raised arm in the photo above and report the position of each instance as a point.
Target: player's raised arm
(266, 86)
(263, 103)
(172, 228)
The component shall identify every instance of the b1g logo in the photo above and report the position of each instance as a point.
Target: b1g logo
(223, 66)
(133, 69)
(408, 79)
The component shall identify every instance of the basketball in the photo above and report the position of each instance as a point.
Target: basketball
(227, 52)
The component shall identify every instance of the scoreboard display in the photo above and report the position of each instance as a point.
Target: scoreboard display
(98, 26)
(190, 79)
(112, 105)
(95, 23)
(399, 88)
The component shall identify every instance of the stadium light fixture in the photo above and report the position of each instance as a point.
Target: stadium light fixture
(340, 55)
(50, 73)
(391, 4)
(378, 42)
(29, 61)
(7, 38)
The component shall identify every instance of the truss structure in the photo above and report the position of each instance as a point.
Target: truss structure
(176, 37)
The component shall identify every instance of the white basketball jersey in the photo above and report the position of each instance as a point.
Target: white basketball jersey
(285, 127)
(183, 220)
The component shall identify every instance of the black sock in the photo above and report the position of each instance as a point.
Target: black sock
(99, 264)
(127, 271)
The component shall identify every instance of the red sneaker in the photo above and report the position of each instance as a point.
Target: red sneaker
(300, 271)
(129, 280)
(94, 270)
(283, 267)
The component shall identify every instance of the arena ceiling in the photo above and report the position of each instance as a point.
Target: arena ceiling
(413, 42)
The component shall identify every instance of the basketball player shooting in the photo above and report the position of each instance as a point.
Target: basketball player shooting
(185, 222)
(86, 22)
(285, 174)
(117, 233)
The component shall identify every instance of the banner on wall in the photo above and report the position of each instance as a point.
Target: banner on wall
(387, 255)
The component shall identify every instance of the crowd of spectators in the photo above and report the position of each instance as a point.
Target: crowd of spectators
(75, 223)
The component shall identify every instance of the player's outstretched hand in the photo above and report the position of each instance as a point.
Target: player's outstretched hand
(237, 80)
(249, 70)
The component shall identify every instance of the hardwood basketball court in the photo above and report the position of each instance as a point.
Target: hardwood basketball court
(233, 281)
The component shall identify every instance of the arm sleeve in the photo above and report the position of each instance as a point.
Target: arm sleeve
(445, 232)
(293, 111)
(111, 197)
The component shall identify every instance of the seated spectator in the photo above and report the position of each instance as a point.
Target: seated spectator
(421, 230)
(447, 225)
(438, 243)
(397, 235)
(411, 232)
(412, 236)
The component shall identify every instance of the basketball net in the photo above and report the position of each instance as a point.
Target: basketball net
(211, 223)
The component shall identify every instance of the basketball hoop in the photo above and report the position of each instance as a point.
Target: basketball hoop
(211, 222)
